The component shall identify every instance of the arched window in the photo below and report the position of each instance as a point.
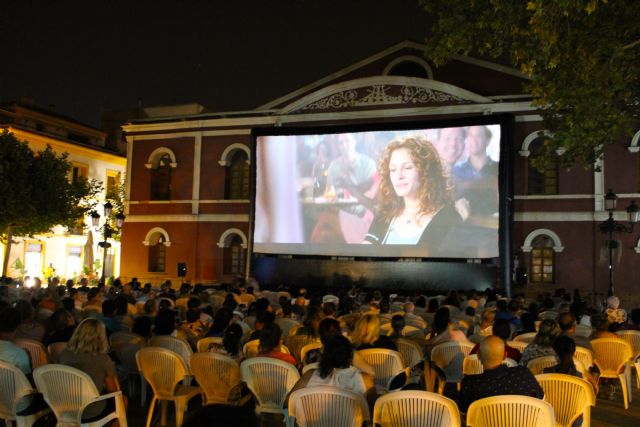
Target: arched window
(541, 181)
(237, 180)
(157, 253)
(542, 260)
(234, 255)
(409, 66)
(161, 179)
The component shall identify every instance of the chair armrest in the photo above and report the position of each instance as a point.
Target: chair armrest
(117, 395)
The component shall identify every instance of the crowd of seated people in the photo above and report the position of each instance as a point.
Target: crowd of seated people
(338, 324)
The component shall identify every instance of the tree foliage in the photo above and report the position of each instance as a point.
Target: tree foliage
(36, 193)
(583, 57)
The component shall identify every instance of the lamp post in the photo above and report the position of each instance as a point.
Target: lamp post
(610, 226)
(107, 230)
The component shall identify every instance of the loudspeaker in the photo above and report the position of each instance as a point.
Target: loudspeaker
(182, 269)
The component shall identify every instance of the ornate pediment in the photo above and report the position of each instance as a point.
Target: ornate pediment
(384, 91)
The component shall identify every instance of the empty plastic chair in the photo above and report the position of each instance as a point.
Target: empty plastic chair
(611, 356)
(216, 374)
(571, 397)
(633, 338)
(448, 357)
(69, 391)
(509, 411)
(270, 380)
(15, 386)
(327, 406)
(164, 369)
(415, 408)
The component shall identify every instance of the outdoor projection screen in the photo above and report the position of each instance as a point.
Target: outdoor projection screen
(423, 192)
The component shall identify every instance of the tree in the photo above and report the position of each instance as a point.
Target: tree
(36, 193)
(583, 57)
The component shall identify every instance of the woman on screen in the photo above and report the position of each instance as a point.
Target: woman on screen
(414, 203)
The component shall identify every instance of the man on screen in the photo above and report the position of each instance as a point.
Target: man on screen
(450, 146)
(352, 183)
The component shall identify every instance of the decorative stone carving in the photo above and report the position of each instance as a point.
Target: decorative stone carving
(383, 95)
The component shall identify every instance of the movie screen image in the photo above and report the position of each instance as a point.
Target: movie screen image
(420, 193)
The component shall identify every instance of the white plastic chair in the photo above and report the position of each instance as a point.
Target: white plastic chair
(471, 365)
(119, 339)
(583, 331)
(528, 337)
(164, 369)
(296, 343)
(327, 406)
(307, 348)
(570, 397)
(310, 367)
(410, 351)
(509, 411)
(415, 408)
(68, 391)
(36, 350)
(286, 324)
(633, 338)
(584, 355)
(15, 386)
(612, 355)
(518, 345)
(449, 356)
(177, 345)
(204, 343)
(216, 374)
(537, 365)
(270, 380)
(128, 363)
(387, 364)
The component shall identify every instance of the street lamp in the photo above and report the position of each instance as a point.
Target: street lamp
(107, 230)
(610, 226)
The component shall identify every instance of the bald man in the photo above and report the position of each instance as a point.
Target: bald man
(497, 379)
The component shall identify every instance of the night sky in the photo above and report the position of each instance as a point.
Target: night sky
(81, 57)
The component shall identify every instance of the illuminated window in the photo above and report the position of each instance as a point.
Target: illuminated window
(74, 261)
(34, 258)
(112, 186)
(542, 260)
(79, 171)
(234, 256)
(237, 181)
(161, 179)
(545, 181)
(157, 254)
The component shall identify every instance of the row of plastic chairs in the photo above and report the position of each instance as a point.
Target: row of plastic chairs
(39, 354)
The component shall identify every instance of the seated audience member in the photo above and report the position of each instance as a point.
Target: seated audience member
(142, 327)
(30, 327)
(367, 334)
(485, 328)
(264, 318)
(430, 312)
(87, 351)
(61, 327)
(270, 342)
(231, 343)
(528, 324)
(600, 324)
(397, 325)
(497, 379)
(109, 317)
(411, 318)
(221, 320)
(9, 352)
(443, 330)
(122, 311)
(165, 324)
(615, 315)
(193, 327)
(542, 344)
(567, 324)
(329, 309)
(311, 321)
(502, 329)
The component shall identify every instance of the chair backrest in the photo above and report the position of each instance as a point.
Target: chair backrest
(633, 338)
(216, 374)
(252, 349)
(528, 337)
(537, 365)
(177, 345)
(410, 351)
(518, 345)
(471, 365)
(585, 356)
(448, 356)
(270, 380)
(67, 390)
(310, 367)
(14, 385)
(117, 340)
(162, 368)
(327, 406)
(510, 410)
(286, 324)
(37, 351)
(307, 348)
(204, 343)
(571, 397)
(296, 343)
(415, 408)
(54, 349)
(548, 315)
(610, 355)
(385, 363)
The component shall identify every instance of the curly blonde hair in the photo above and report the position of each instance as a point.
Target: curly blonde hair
(435, 191)
(89, 337)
